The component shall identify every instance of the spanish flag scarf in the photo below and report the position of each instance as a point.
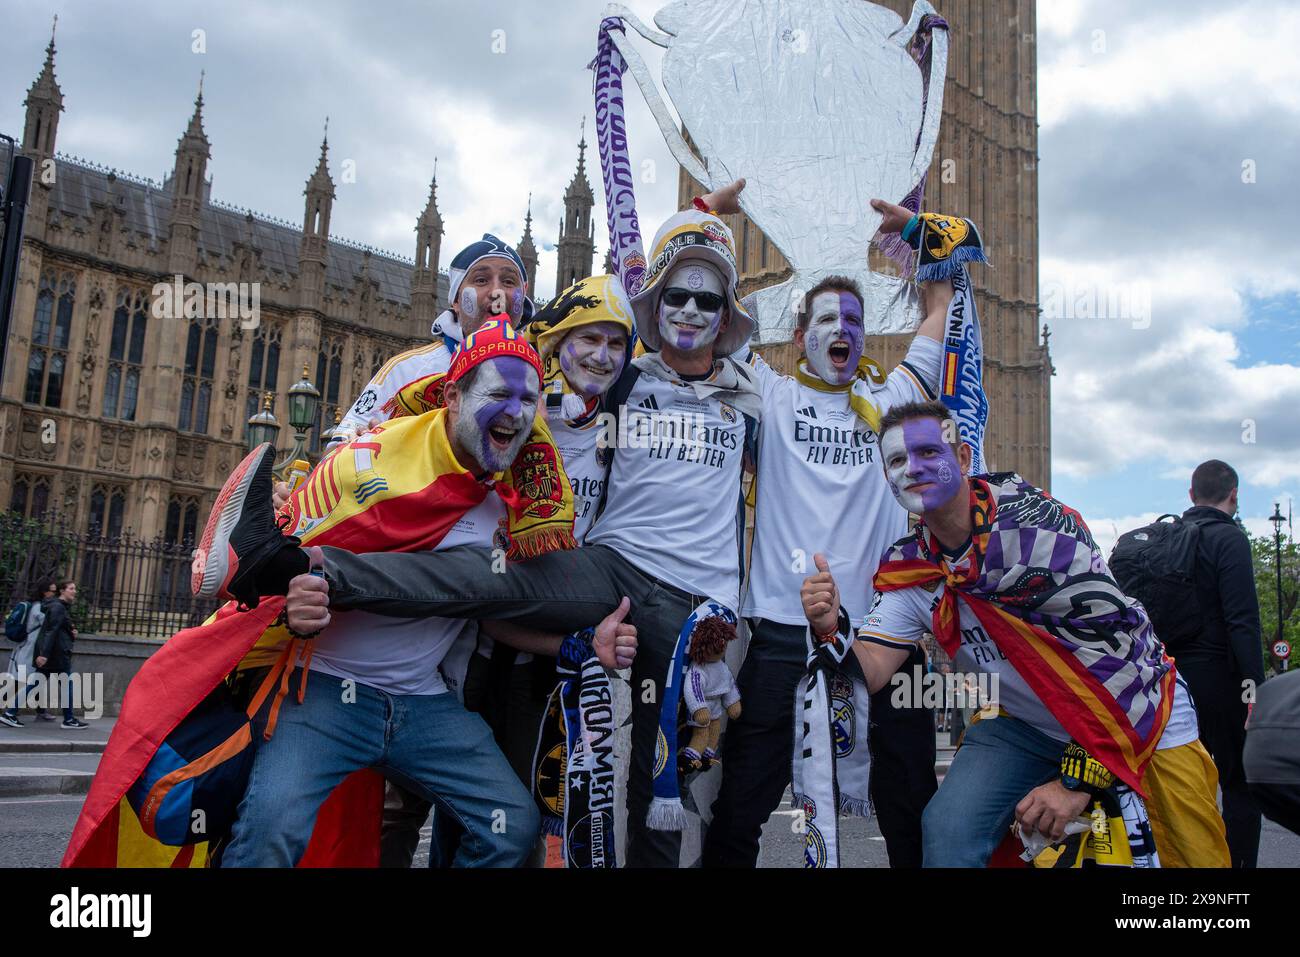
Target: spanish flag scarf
(1039, 586)
(398, 488)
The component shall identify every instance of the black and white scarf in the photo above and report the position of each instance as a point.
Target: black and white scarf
(832, 764)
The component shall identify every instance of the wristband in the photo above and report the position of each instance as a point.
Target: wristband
(1080, 771)
(699, 203)
(912, 232)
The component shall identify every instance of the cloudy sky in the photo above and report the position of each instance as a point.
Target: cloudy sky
(1170, 261)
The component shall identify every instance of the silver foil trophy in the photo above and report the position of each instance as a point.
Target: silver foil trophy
(821, 107)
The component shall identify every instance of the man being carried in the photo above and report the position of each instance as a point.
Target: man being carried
(1011, 583)
(374, 696)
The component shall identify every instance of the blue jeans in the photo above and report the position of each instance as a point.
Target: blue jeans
(428, 743)
(1000, 761)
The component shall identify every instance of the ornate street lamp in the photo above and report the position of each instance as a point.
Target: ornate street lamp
(263, 427)
(304, 401)
(1277, 519)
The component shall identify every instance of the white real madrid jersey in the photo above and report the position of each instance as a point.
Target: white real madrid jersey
(821, 487)
(396, 372)
(671, 508)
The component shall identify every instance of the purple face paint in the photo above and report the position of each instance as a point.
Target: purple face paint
(591, 356)
(516, 304)
(835, 336)
(469, 304)
(502, 399)
(922, 468)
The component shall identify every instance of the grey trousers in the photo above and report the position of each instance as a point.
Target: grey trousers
(560, 592)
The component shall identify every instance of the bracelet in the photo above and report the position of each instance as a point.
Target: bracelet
(283, 619)
(1080, 771)
(699, 203)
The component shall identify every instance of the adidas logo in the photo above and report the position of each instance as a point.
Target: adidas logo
(808, 413)
(648, 403)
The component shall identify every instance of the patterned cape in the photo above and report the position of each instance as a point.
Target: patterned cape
(1040, 587)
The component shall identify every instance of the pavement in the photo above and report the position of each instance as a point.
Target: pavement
(45, 772)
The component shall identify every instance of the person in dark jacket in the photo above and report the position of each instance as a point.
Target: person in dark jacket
(1225, 665)
(54, 647)
(1272, 755)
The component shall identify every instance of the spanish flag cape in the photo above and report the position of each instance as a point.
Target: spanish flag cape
(1039, 586)
(398, 488)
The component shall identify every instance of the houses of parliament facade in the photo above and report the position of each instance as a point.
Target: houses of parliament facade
(115, 420)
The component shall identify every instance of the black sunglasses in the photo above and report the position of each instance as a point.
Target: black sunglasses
(706, 301)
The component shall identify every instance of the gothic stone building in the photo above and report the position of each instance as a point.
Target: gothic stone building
(989, 135)
(116, 419)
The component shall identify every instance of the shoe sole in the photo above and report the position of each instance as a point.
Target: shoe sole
(215, 562)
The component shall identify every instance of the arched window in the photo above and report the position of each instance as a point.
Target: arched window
(200, 365)
(263, 369)
(329, 373)
(126, 355)
(31, 495)
(51, 329)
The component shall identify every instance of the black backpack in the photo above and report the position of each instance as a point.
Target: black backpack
(1156, 564)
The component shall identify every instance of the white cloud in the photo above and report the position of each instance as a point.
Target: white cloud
(1232, 61)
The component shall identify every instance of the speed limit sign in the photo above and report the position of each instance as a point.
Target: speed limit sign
(1281, 649)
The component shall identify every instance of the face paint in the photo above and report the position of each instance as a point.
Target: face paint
(516, 304)
(922, 468)
(468, 304)
(834, 339)
(591, 356)
(688, 328)
(497, 412)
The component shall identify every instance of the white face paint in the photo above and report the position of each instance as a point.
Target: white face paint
(687, 327)
(835, 336)
(893, 450)
(496, 412)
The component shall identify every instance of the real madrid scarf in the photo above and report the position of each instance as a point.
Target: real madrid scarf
(831, 768)
(859, 388)
(625, 249)
(946, 244)
(573, 770)
(1037, 583)
(1118, 835)
(666, 812)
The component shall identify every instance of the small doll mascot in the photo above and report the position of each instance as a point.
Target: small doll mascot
(709, 688)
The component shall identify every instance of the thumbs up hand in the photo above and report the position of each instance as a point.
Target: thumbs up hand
(821, 598)
(615, 641)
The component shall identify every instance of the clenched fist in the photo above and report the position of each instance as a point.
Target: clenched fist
(307, 604)
(821, 598)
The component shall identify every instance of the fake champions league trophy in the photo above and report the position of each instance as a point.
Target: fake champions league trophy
(820, 105)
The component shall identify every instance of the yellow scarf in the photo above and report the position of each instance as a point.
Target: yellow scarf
(858, 387)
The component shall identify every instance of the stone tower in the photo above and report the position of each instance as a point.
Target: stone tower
(577, 245)
(528, 251)
(189, 186)
(428, 249)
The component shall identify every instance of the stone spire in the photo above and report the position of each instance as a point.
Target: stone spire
(428, 251)
(576, 247)
(528, 251)
(44, 103)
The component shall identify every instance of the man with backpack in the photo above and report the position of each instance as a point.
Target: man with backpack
(1195, 577)
(22, 628)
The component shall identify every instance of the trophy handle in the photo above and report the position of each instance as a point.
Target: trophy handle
(934, 91)
(650, 90)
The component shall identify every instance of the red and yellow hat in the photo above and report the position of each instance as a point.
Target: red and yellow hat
(492, 340)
